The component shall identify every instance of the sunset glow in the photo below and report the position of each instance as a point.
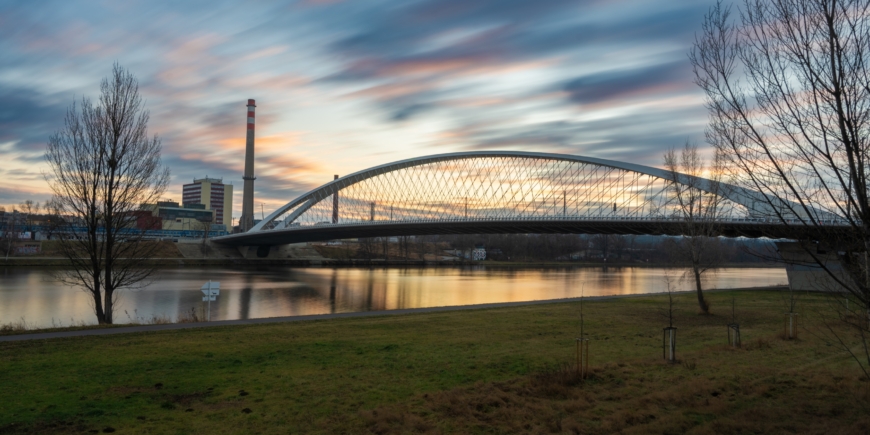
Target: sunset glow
(342, 86)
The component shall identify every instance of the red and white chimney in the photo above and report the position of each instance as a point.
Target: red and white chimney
(247, 219)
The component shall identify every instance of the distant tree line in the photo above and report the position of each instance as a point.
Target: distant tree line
(603, 248)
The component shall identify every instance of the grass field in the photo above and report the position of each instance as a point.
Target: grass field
(483, 371)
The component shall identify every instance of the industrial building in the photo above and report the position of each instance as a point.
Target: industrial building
(187, 217)
(213, 195)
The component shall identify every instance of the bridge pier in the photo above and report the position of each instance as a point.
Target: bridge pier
(804, 274)
(335, 204)
(293, 251)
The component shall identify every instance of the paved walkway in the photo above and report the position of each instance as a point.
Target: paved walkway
(174, 326)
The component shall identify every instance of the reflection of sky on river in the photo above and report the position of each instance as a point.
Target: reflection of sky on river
(29, 294)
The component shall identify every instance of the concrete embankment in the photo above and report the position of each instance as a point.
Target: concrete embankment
(171, 262)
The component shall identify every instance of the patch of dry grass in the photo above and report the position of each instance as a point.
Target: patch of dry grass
(640, 398)
(15, 327)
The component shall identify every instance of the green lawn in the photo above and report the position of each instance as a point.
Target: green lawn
(483, 371)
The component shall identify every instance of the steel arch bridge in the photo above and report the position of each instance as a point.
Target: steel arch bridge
(502, 192)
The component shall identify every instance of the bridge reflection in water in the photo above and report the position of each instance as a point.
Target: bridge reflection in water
(278, 292)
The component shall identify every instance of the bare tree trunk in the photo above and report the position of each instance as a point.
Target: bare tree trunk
(702, 304)
(109, 308)
(98, 303)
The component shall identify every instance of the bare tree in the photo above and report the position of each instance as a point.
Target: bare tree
(601, 242)
(618, 246)
(54, 220)
(788, 90)
(421, 247)
(104, 166)
(698, 208)
(203, 225)
(367, 247)
(668, 312)
(10, 234)
(406, 242)
(30, 210)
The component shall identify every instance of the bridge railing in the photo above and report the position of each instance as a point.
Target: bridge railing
(747, 220)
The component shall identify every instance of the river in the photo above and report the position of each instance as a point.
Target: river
(32, 296)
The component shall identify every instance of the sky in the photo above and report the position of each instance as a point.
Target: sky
(342, 86)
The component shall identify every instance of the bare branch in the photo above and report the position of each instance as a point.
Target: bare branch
(786, 86)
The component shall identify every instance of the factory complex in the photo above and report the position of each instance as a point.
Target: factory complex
(206, 203)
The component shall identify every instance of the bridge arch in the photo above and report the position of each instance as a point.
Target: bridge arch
(490, 191)
(308, 200)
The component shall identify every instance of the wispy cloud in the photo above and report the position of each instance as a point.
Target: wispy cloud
(342, 86)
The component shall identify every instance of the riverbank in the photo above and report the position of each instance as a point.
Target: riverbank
(326, 262)
(471, 371)
(20, 332)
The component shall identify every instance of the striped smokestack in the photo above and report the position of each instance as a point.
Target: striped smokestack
(247, 219)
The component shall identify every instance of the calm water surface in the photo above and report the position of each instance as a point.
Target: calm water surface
(30, 294)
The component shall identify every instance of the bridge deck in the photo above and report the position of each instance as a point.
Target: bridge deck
(752, 228)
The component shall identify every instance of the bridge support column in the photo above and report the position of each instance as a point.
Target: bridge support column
(335, 204)
(289, 252)
(804, 274)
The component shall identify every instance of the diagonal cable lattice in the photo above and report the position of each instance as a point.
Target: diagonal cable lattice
(488, 187)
